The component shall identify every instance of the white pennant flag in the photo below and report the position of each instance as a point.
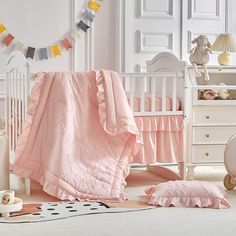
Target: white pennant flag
(75, 34)
(18, 47)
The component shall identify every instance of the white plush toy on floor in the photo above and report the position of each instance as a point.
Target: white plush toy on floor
(199, 55)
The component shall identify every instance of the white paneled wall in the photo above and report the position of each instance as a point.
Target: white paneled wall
(231, 22)
(152, 26)
(198, 18)
(126, 32)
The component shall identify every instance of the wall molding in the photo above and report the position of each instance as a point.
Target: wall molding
(194, 15)
(119, 35)
(128, 28)
(145, 13)
(143, 47)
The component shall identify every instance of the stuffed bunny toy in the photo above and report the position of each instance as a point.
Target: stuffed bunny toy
(199, 55)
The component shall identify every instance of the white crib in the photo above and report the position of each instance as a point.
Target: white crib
(16, 101)
(164, 72)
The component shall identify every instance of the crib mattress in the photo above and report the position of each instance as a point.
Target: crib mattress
(158, 103)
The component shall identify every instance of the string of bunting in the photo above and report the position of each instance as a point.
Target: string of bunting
(56, 48)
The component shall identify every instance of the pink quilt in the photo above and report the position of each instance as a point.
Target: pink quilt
(78, 136)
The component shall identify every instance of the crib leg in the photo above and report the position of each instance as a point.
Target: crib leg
(181, 168)
(190, 172)
(27, 187)
(163, 172)
(19, 185)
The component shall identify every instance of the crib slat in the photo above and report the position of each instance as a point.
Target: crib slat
(174, 94)
(20, 103)
(142, 91)
(24, 97)
(131, 99)
(16, 108)
(8, 122)
(163, 93)
(153, 91)
(13, 109)
(6, 101)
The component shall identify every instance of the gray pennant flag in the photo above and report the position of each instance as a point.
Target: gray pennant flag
(83, 26)
(43, 53)
(88, 15)
(30, 52)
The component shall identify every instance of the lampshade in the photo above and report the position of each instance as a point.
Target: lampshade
(225, 44)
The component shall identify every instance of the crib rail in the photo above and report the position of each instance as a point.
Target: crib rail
(17, 89)
(16, 101)
(16, 104)
(144, 89)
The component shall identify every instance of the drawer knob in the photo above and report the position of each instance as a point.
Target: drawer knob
(207, 117)
(207, 135)
(207, 154)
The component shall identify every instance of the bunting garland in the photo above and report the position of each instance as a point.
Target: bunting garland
(83, 26)
(57, 47)
(43, 53)
(2, 28)
(8, 39)
(66, 44)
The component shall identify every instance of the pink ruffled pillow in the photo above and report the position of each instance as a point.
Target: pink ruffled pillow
(182, 193)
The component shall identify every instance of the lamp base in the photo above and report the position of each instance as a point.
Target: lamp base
(224, 59)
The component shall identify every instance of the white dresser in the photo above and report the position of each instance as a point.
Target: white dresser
(211, 122)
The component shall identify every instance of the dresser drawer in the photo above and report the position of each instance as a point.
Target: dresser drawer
(212, 135)
(208, 153)
(214, 116)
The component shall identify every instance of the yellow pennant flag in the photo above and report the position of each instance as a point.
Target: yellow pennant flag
(2, 28)
(94, 5)
(55, 50)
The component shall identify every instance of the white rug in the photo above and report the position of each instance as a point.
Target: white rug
(62, 210)
(155, 222)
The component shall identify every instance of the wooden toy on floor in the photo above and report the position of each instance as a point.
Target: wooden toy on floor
(9, 203)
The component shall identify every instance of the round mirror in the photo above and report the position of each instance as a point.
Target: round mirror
(230, 162)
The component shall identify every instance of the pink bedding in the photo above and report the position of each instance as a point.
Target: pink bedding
(162, 139)
(78, 136)
(158, 103)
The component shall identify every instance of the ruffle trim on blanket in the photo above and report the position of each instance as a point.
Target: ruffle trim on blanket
(56, 185)
(118, 125)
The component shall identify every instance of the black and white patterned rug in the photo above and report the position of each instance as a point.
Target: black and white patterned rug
(39, 212)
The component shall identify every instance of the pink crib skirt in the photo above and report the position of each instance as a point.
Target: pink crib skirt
(162, 139)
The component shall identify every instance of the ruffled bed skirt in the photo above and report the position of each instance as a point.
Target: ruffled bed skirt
(162, 139)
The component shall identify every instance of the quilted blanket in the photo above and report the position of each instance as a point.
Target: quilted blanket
(78, 136)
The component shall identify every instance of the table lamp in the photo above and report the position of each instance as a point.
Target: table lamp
(225, 44)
